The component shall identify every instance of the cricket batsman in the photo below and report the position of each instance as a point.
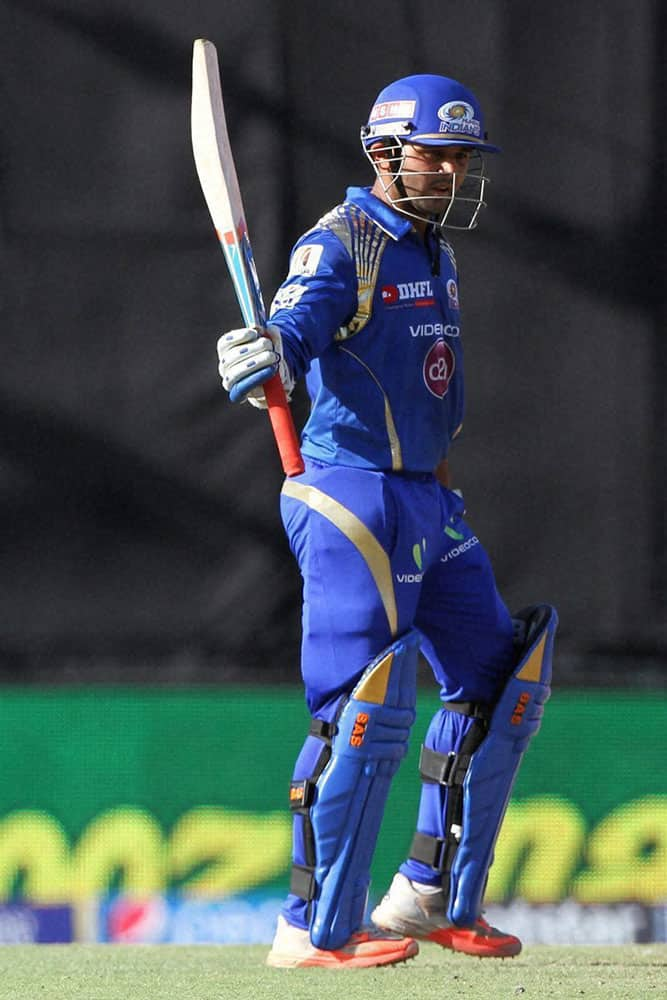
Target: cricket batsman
(369, 314)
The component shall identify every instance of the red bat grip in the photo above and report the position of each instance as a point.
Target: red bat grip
(284, 430)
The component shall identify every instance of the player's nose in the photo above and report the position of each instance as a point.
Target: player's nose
(446, 166)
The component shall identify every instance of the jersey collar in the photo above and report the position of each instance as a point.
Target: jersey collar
(383, 215)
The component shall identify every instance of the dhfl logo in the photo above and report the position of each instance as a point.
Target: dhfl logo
(414, 293)
(439, 366)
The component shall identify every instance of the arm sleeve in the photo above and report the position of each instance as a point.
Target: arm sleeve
(318, 296)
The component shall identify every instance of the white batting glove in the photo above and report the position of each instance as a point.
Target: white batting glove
(248, 358)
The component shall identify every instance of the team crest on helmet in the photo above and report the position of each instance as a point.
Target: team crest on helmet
(458, 116)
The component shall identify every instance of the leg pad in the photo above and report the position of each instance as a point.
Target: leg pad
(369, 744)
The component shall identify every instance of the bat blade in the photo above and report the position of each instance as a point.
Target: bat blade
(219, 182)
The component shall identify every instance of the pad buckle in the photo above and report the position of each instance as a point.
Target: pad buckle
(302, 882)
(443, 769)
(436, 852)
(301, 794)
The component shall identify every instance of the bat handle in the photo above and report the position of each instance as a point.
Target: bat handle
(284, 430)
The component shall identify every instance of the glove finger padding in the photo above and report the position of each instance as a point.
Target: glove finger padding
(247, 360)
(249, 357)
(246, 354)
(235, 337)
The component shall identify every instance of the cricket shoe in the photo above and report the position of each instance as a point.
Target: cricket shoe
(419, 910)
(292, 949)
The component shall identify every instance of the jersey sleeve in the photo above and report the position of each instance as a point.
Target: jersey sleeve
(316, 298)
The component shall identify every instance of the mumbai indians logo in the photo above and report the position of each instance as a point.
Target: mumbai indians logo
(452, 294)
(459, 116)
(439, 365)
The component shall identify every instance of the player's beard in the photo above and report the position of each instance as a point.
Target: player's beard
(428, 205)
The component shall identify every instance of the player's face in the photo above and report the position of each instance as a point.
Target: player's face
(427, 182)
(431, 174)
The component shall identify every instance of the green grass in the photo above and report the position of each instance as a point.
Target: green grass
(176, 972)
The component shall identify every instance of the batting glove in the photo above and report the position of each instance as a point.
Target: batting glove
(248, 358)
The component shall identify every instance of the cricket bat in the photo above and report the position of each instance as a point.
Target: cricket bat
(217, 176)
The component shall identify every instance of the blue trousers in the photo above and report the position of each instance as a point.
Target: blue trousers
(381, 553)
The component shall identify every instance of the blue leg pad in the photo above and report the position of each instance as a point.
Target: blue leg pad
(370, 742)
(494, 766)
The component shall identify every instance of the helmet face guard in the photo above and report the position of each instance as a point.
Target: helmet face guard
(463, 204)
(428, 110)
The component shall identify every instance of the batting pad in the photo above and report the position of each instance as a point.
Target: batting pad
(370, 742)
(494, 766)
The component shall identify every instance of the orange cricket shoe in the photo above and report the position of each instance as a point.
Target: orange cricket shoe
(419, 910)
(292, 949)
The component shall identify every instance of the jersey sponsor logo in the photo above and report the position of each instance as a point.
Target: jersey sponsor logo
(434, 330)
(453, 533)
(408, 293)
(453, 294)
(439, 365)
(287, 297)
(305, 260)
(392, 109)
(459, 116)
(418, 550)
(460, 549)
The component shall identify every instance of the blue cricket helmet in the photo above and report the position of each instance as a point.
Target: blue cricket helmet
(429, 110)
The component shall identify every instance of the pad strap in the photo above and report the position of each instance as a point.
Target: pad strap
(435, 852)
(449, 770)
(443, 768)
(301, 797)
(302, 882)
(473, 709)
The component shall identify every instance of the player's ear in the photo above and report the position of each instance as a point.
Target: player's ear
(379, 153)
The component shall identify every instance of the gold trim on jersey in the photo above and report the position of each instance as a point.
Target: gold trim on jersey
(368, 246)
(365, 241)
(356, 532)
(392, 433)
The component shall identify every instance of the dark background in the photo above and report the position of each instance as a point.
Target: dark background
(140, 529)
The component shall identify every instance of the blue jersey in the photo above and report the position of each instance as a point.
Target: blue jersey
(369, 313)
